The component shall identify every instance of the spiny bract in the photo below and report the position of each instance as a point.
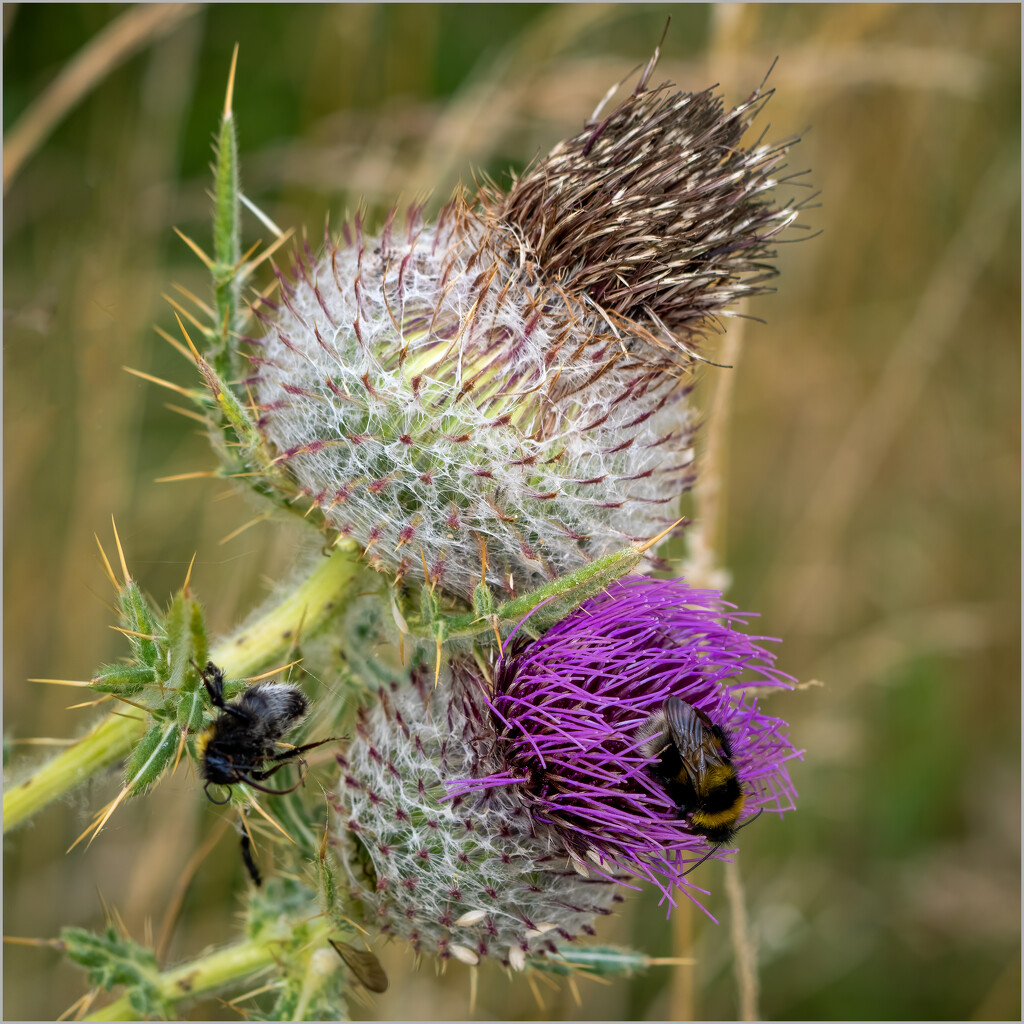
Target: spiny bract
(503, 392)
(464, 877)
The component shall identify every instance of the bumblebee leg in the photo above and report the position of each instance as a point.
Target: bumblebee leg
(247, 859)
(219, 803)
(295, 751)
(274, 792)
(250, 781)
(265, 773)
(701, 861)
(750, 821)
(260, 776)
(213, 680)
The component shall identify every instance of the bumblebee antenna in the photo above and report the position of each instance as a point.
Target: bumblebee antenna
(701, 861)
(751, 820)
(715, 847)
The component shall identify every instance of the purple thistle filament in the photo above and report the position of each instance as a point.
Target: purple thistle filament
(568, 706)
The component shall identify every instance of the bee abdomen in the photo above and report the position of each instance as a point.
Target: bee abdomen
(275, 703)
(718, 826)
(722, 791)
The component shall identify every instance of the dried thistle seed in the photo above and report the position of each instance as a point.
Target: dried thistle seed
(657, 212)
(465, 954)
(363, 964)
(471, 917)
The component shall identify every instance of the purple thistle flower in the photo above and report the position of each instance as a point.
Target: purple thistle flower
(570, 708)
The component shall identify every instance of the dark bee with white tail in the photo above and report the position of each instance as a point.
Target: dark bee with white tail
(240, 744)
(694, 764)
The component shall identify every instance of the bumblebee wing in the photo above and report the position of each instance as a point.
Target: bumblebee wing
(691, 733)
(688, 732)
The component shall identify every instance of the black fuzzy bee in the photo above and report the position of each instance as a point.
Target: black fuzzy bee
(694, 764)
(240, 744)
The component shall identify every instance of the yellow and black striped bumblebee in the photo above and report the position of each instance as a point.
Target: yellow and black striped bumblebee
(694, 764)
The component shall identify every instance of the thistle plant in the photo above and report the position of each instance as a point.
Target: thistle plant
(468, 877)
(492, 411)
(568, 712)
(502, 395)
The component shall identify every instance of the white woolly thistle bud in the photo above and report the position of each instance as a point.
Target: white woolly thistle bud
(466, 877)
(504, 391)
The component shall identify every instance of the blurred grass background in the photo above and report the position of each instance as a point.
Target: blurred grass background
(872, 478)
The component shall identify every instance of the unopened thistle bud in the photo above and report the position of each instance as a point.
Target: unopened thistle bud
(626, 730)
(462, 877)
(507, 387)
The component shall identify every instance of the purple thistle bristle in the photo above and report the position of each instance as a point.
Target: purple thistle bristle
(569, 711)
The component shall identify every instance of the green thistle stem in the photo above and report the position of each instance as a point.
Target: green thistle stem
(250, 649)
(563, 594)
(212, 971)
(107, 742)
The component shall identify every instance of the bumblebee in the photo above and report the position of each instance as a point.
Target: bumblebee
(694, 764)
(240, 744)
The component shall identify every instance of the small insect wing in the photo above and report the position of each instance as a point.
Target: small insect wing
(364, 965)
(691, 733)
